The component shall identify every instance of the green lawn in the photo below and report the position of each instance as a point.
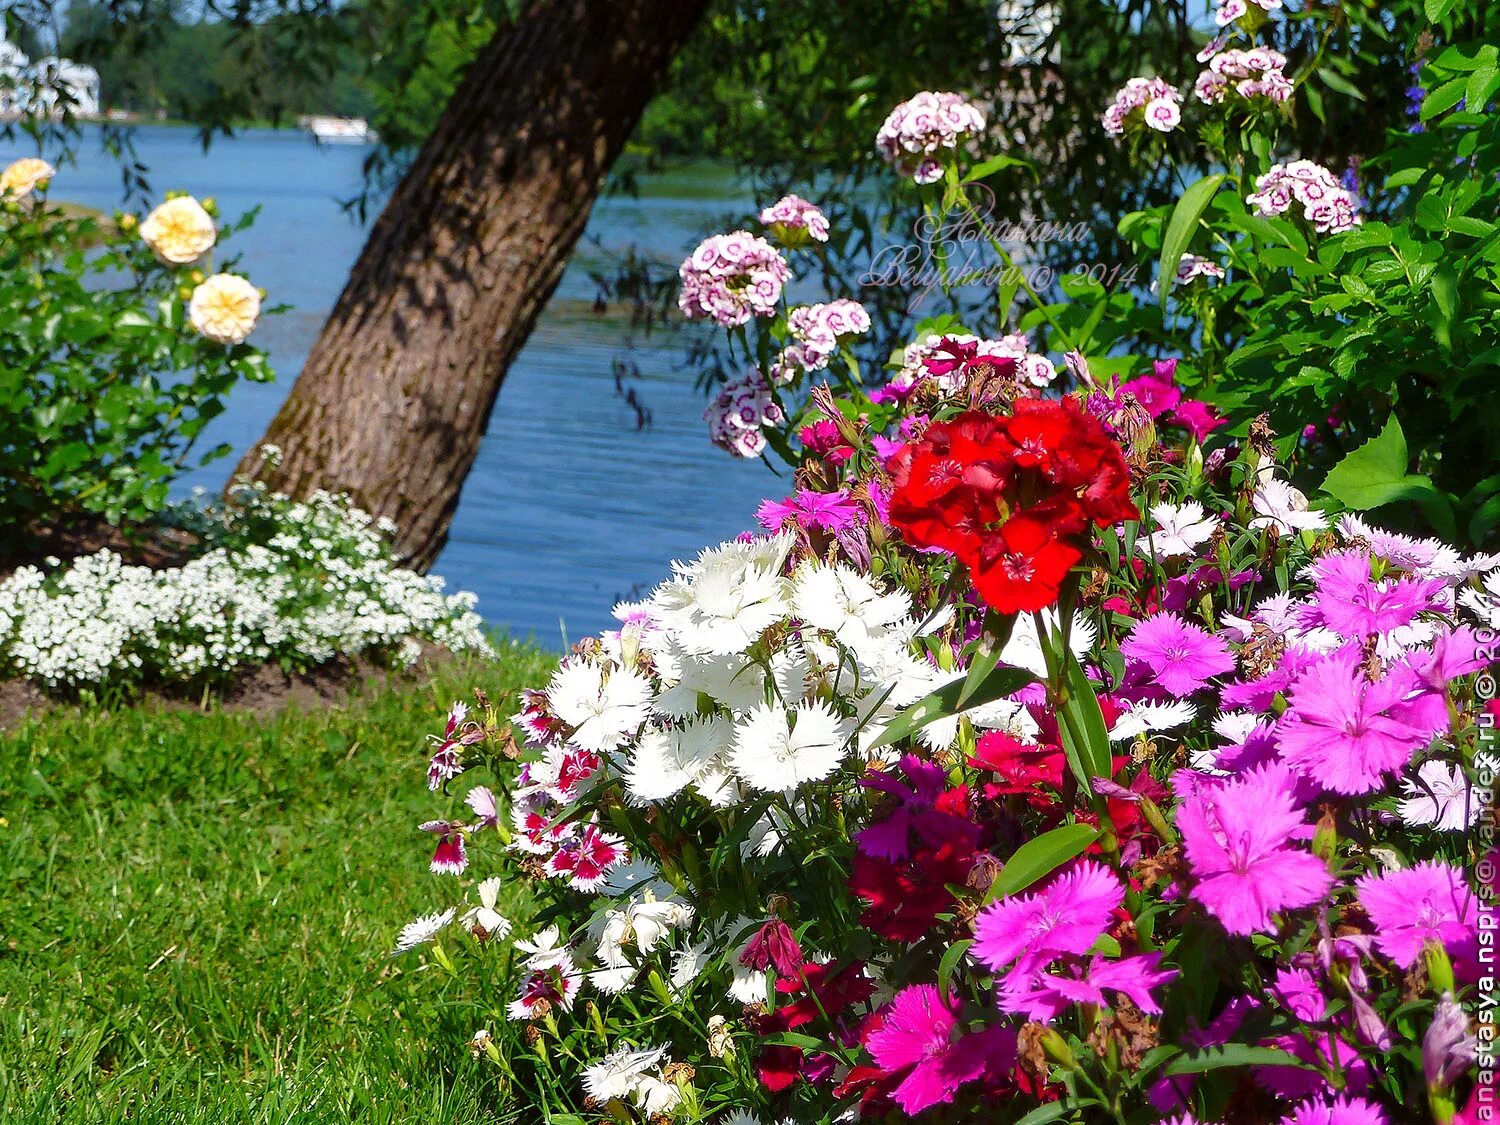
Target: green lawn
(196, 908)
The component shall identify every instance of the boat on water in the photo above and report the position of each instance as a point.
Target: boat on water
(338, 130)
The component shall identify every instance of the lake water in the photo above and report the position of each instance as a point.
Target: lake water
(570, 507)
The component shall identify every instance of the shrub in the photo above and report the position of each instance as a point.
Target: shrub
(117, 351)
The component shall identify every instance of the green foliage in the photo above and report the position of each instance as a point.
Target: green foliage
(1397, 319)
(195, 906)
(190, 68)
(104, 387)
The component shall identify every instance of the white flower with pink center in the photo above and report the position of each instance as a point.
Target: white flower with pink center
(736, 417)
(1327, 204)
(732, 277)
(1232, 10)
(921, 134)
(1191, 267)
(794, 220)
(818, 331)
(1151, 103)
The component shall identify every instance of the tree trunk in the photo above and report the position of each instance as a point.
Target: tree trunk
(398, 389)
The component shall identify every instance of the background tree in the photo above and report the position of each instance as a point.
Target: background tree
(399, 387)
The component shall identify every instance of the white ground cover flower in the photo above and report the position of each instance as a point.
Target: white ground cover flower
(619, 1072)
(323, 584)
(1439, 797)
(422, 930)
(485, 916)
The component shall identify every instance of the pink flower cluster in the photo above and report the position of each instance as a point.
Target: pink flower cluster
(945, 359)
(1232, 10)
(919, 132)
(817, 330)
(1249, 74)
(731, 278)
(792, 219)
(1152, 102)
(737, 417)
(1326, 204)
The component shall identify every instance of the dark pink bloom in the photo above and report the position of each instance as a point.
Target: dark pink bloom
(449, 858)
(1049, 994)
(1354, 605)
(1345, 732)
(1340, 1111)
(1065, 917)
(1238, 836)
(1157, 395)
(1198, 418)
(585, 859)
(918, 1031)
(774, 946)
(831, 511)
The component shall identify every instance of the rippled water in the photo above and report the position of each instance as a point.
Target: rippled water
(570, 507)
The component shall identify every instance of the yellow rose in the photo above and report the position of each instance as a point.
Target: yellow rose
(224, 309)
(24, 175)
(179, 231)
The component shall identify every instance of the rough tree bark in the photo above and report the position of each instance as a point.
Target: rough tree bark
(398, 389)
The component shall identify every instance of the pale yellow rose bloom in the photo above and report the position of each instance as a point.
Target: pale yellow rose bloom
(179, 231)
(24, 175)
(224, 308)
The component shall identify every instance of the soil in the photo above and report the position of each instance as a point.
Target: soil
(261, 690)
(156, 547)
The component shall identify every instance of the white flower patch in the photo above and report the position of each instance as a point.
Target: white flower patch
(322, 584)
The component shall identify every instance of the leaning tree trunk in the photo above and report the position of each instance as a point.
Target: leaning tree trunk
(397, 392)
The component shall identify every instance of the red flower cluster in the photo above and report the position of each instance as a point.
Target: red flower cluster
(1012, 497)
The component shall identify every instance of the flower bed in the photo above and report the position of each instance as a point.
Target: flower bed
(275, 581)
(1046, 754)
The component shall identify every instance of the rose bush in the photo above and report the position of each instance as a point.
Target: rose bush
(1045, 755)
(117, 352)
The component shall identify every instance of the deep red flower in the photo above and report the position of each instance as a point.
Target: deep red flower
(1022, 568)
(906, 896)
(1011, 497)
(774, 946)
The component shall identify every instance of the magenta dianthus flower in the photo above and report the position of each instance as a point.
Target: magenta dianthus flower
(1066, 916)
(1345, 732)
(1341, 1111)
(1430, 901)
(1237, 836)
(1176, 654)
(917, 1031)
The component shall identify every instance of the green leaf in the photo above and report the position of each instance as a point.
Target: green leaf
(1338, 83)
(992, 641)
(1053, 1110)
(1233, 1054)
(1089, 758)
(1437, 10)
(992, 165)
(1003, 680)
(1039, 857)
(950, 961)
(1444, 97)
(1180, 228)
(1375, 473)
